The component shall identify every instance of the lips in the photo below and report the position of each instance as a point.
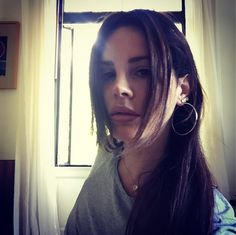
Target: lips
(123, 114)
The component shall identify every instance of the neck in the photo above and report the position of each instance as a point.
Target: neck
(139, 161)
(136, 165)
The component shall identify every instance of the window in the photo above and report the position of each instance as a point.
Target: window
(77, 29)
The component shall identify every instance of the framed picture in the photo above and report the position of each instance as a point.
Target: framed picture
(9, 53)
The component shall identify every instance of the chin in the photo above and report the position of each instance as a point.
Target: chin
(124, 135)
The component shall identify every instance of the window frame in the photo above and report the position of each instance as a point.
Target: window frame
(83, 18)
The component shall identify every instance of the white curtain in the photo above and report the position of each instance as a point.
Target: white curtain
(35, 204)
(200, 32)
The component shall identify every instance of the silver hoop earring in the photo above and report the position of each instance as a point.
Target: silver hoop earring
(183, 124)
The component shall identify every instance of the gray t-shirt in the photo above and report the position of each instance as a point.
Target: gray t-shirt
(103, 206)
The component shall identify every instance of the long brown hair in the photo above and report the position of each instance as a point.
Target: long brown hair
(178, 197)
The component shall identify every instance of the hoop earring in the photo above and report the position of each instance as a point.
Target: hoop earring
(183, 123)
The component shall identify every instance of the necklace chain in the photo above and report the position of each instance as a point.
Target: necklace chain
(135, 187)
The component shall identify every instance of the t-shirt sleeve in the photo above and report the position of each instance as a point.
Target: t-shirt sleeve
(224, 221)
(72, 222)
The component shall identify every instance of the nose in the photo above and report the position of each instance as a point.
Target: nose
(122, 87)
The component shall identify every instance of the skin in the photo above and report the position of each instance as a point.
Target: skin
(126, 70)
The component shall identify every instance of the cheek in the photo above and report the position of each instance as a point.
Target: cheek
(106, 95)
(143, 95)
(143, 99)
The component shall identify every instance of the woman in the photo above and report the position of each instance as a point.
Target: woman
(147, 100)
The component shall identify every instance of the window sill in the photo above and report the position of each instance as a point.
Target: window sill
(72, 172)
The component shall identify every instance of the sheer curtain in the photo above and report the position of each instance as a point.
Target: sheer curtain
(200, 32)
(35, 205)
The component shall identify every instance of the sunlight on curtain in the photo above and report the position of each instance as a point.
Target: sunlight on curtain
(200, 32)
(35, 209)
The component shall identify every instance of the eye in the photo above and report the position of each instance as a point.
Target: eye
(108, 75)
(143, 72)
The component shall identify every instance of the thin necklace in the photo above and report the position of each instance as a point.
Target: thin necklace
(135, 186)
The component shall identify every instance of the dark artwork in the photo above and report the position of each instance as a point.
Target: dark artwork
(3, 55)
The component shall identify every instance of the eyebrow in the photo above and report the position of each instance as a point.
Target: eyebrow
(138, 58)
(131, 60)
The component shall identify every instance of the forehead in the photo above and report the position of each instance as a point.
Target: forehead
(127, 41)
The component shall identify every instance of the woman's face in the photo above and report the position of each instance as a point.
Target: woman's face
(126, 75)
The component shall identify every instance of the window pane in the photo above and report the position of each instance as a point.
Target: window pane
(81, 145)
(63, 132)
(119, 5)
(158, 5)
(180, 27)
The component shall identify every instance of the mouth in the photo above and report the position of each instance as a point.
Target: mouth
(123, 114)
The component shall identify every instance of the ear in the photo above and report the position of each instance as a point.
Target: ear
(184, 89)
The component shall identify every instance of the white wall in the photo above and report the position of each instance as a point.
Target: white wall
(9, 11)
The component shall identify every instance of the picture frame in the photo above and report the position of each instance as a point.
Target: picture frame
(9, 54)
